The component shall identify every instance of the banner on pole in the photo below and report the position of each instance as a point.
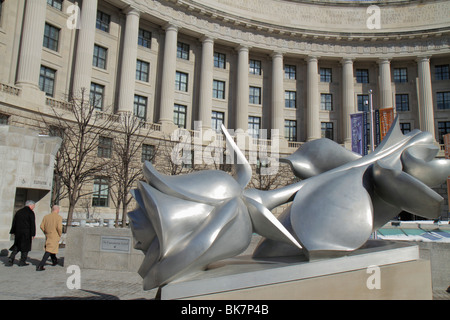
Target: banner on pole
(359, 132)
(447, 145)
(386, 120)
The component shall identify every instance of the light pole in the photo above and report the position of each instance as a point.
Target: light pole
(372, 133)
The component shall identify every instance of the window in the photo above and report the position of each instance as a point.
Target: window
(362, 76)
(181, 81)
(290, 72)
(443, 129)
(254, 124)
(57, 4)
(400, 75)
(218, 89)
(325, 74)
(51, 37)
(290, 99)
(326, 101)
(1, 7)
(183, 51)
(96, 95)
(148, 152)
(103, 21)
(4, 119)
(140, 107)
(100, 196)
(402, 102)
(255, 95)
(179, 116)
(142, 70)
(405, 127)
(99, 59)
(442, 72)
(144, 38)
(104, 147)
(255, 67)
(290, 130)
(363, 102)
(327, 130)
(219, 60)
(217, 119)
(47, 81)
(443, 100)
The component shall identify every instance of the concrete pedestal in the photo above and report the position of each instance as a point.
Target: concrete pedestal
(379, 270)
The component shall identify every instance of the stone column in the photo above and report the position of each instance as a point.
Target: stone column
(425, 94)
(128, 63)
(168, 75)
(385, 83)
(242, 89)
(85, 49)
(348, 99)
(206, 82)
(277, 93)
(313, 130)
(31, 44)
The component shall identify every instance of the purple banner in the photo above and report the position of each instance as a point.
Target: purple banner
(357, 121)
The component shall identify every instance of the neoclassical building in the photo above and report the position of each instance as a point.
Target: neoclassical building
(301, 67)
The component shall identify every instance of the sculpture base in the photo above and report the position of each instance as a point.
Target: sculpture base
(379, 270)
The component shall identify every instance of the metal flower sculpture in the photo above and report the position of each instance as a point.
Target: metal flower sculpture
(183, 223)
(344, 197)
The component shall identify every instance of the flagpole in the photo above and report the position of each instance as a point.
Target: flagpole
(372, 133)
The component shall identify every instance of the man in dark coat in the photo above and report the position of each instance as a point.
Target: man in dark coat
(24, 230)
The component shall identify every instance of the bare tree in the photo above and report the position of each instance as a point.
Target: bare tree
(77, 162)
(126, 165)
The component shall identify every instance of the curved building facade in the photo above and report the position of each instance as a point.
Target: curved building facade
(301, 67)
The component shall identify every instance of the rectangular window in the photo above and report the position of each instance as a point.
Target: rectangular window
(51, 37)
(290, 72)
(179, 116)
(402, 102)
(140, 107)
(145, 38)
(96, 95)
(148, 152)
(47, 81)
(363, 102)
(100, 195)
(255, 67)
(325, 74)
(218, 89)
(181, 81)
(99, 59)
(182, 51)
(405, 127)
(400, 75)
(103, 21)
(4, 119)
(443, 100)
(255, 95)
(327, 130)
(326, 101)
(57, 4)
(290, 99)
(290, 130)
(142, 70)
(443, 129)
(219, 60)
(362, 76)
(254, 125)
(442, 72)
(104, 147)
(217, 119)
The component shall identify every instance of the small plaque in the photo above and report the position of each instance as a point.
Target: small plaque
(115, 244)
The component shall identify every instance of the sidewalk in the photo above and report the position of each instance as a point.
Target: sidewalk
(25, 283)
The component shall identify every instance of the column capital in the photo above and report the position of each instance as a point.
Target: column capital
(277, 54)
(424, 58)
(347, 60)
(170, 26)
(384, 60)
(312, 58)
(242, 47)
(130, 10)
(207, 38)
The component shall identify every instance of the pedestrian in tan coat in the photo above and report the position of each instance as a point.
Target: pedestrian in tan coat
(52, 227)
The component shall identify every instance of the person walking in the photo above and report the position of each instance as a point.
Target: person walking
(24, 230)
(52, 227)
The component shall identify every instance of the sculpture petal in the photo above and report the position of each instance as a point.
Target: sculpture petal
(406, 192)
(332, 213)
(318, 156)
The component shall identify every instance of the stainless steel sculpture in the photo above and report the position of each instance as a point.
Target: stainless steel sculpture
(183, 223)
